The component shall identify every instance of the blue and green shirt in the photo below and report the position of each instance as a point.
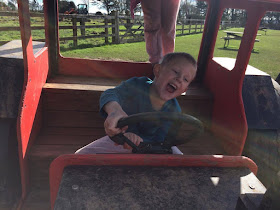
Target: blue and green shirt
(133, 96)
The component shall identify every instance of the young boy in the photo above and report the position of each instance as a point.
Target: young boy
(172, 77)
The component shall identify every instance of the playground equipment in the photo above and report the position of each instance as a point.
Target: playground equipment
(58, 114)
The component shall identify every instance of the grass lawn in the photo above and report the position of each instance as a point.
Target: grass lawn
(266, 54)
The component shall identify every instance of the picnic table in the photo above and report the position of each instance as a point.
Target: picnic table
(263, 29)
(235, 35)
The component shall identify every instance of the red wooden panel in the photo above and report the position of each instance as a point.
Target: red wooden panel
(229, 120)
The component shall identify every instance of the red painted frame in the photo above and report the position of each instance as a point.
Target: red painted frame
(58, 165)
(35, 75)
(228, 118)
(228, 121)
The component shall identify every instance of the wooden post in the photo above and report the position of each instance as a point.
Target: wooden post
(200, 26)
(183, 27)
(83, 28)
(106, 30)
(117, 27)
(113, 21)
(75, 39)
(190, 25)
(195, 27)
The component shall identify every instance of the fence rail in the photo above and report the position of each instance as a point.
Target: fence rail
(120, 29)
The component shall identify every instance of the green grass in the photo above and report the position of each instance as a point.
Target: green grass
(264, 57)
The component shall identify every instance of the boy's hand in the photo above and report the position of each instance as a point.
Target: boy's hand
(111, 121)
(132, 137)
(115, 112)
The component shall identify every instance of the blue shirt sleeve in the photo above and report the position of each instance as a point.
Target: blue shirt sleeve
(121, 94)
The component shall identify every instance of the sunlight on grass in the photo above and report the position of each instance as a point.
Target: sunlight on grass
(264, 57)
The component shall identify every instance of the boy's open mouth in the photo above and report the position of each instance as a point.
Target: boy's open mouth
(171, 88)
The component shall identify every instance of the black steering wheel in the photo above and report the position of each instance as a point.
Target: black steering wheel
(172, 139)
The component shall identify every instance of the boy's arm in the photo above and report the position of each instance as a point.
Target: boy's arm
(115, 112)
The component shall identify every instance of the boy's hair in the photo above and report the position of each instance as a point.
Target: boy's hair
(171, 56)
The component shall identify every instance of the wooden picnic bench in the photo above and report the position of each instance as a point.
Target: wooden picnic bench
(234, 35)
(263, 29)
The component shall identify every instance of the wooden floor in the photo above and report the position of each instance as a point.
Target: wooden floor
(70, 120)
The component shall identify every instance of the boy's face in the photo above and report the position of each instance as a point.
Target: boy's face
(173, 78)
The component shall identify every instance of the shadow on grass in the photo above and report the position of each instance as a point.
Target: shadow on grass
(3, 42)
(80, 46)
(236, 49)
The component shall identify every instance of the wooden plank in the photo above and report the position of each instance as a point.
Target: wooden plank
(51, 151)
(67, 139)
(85, 80)
(72, 131)
(17, 28)
(75, 87)
(89, 16)
(87, 26)
(195, 91)
(72, 100)
(15, 14)
(190, 94)
(73, 119)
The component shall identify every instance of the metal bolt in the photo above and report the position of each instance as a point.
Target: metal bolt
(75, 187)
(251, 186)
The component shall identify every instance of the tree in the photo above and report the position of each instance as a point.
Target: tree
(34, 5)
(271, 20)
(183, 10)
(202, 8)
(12, 4)
(110, 5)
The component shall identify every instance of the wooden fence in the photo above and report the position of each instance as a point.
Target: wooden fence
(108, 29)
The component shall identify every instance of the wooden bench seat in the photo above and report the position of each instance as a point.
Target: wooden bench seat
(263, 29)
